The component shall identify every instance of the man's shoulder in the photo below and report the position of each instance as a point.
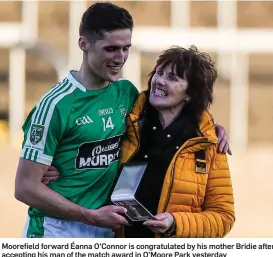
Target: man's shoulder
(62, 92)
(61, 96)
(126, 86)
(125, 82)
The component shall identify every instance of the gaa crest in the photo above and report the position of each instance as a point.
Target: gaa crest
(123, 112)
(36, 133)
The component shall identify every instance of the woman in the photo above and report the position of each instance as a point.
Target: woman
(187, 184)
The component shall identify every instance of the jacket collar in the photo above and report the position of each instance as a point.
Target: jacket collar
(206, 126)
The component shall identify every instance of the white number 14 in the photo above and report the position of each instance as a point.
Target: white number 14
(107, 124)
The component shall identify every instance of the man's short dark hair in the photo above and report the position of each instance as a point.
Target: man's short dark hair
(104, 17)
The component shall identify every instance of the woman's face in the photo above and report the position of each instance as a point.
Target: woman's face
(168, 91)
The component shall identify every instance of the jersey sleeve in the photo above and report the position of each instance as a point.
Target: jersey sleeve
(42, 129)
(132, 93)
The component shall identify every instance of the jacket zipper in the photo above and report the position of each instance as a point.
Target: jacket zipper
(172, 171)
(138, 141)
(170, 188)
(172, 179)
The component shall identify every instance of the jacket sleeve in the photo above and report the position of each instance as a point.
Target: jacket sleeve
(217, 216)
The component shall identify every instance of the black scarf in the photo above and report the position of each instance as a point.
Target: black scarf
(156, 142)
(157, 147)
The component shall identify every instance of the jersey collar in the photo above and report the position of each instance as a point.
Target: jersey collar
(77, 84)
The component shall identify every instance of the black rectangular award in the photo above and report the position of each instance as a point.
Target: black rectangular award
(125, 189)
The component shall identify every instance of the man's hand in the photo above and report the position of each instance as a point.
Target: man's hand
(160, 223)
(223, 144)
(50, 175)
(107, 217)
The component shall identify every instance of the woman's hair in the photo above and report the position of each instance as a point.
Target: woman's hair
(197, 68)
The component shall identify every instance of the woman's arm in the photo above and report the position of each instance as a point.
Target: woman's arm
(217, 217)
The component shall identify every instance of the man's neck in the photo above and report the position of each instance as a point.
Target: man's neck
(89, 80)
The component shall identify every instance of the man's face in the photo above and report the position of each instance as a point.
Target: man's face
(107, 56)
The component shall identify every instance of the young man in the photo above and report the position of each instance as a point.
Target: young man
(77, 127)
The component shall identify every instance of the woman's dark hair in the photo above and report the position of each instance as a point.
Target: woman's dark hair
(198, 68)
(104, 17)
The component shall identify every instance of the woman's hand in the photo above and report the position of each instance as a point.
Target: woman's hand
(160, 223)
(50, 175)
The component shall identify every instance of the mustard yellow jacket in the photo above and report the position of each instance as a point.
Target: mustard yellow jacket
(201, 203)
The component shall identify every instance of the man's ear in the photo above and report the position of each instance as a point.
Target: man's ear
(83, 43)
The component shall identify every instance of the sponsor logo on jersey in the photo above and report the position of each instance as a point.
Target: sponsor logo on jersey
(105, 111)
(98, 154)
(36, 133)
(83, 120)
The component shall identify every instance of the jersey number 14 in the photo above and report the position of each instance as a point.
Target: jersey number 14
(107, 124)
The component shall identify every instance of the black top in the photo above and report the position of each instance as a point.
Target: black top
(157, 147)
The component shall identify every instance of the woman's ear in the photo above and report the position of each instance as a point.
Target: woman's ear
(187, 99)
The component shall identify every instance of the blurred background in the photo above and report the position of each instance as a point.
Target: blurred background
(38, 45)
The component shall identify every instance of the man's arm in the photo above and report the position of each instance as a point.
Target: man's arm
(222, 144)
(30, 190)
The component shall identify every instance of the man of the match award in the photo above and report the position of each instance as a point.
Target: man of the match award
(125, 189)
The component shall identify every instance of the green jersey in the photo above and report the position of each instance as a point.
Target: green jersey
(79, 132)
